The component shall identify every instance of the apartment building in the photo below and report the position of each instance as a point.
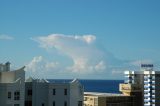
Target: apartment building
(15, 91)
(12, 86)
(44, 93)
(144, 84)
(107, 99)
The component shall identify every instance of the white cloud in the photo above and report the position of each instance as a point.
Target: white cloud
(6, 37)
(38, 66)
(87, 38)
(86, 57)
(83, 56)
(100, 66)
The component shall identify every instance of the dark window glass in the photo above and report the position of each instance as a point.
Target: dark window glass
(54, 91)
(79, 103)
(42, 104)
(65, 91)
(29, 92)
(17, 95)
(9, 95)
(65, 103)
(28, 103)
(54, 104)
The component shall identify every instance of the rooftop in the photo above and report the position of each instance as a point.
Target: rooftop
(102, 94)
(57, 81)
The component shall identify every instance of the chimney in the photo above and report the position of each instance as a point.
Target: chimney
(7, 65)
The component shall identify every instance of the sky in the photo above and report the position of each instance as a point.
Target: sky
(86, 39)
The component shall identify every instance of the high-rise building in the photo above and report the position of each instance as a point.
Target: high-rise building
(144, 84)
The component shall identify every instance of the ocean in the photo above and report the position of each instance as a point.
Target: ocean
(105, 86)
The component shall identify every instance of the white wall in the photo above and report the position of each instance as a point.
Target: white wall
(59, 98)
(8, 84)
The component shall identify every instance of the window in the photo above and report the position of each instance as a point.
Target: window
(29, 92)
(54, 91)
(16, 105)
(17, 95)
(65, 103)
(79, 103)
(65, 91)
(28, 103)
(54, 104)
(9, 95)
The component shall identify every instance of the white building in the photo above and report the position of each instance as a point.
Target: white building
(45, 93)
(12, 86)
(148, 81)
(14, 91)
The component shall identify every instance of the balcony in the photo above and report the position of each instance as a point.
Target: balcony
(147, 95)
(153, 101)
(153, 91)
(146, 77)
(153, 82)
(153, 77)
(146, 82)
(147, 100)
(153, 96)
(146, 91)
(153, 86)
(147, 104)
(146, 86)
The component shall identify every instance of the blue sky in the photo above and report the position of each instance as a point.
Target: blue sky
(111, 36)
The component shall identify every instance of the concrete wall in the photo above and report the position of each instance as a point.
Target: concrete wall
(7, 77)
(12, 85)
(40, 94)
(59, 96)
(76, 93)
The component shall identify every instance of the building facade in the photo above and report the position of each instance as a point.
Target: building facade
(147, 85)
(107, 99)
(12, 86)
(45, 93)
(15, 91)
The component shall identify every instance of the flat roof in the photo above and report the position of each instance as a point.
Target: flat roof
(99, 94)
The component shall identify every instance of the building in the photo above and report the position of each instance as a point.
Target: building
(57, 93)
(15, 91)
(107, 99)
(144, 84)
(132, 90)
(12, 86)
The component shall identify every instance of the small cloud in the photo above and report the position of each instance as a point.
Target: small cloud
(87, 38)
(38, 66)
(6, 37)
(100, 66)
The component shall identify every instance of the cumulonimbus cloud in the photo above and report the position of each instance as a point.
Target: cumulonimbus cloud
(86, 57)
